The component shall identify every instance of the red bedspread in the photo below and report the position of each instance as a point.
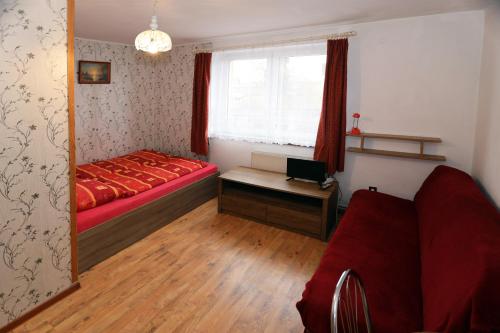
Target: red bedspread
(90, 218)
(104, 181)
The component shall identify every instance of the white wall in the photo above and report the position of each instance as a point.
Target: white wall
(487, 154)
(413, 76)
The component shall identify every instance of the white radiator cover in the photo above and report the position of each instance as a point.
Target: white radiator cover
(271, 161)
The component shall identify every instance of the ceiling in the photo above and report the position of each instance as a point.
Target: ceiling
(192, 20)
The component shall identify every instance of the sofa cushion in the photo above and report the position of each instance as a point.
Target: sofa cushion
(378, 239)
(460, 251)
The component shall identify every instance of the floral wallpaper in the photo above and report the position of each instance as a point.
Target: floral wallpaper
(35, 251)
(114, 119)
(175, 82)
(147, 104)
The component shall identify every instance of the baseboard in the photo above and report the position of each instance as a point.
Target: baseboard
(39, 308)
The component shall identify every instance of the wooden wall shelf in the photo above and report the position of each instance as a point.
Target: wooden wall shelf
(397, 154)
(397, 137)
(419, 139)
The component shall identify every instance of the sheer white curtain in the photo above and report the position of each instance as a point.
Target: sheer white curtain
(270, 95)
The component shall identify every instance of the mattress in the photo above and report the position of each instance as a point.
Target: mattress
(88, 219)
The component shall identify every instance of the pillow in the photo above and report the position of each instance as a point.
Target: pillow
(91, 193)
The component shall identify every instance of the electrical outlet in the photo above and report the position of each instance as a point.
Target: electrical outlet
(373, 189)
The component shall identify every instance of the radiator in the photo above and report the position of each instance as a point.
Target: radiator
(271, 161)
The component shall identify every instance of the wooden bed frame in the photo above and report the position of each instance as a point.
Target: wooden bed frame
(106, 239)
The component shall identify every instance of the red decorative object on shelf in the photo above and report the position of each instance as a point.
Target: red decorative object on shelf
(355, 130)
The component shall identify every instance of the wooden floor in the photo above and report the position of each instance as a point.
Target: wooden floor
(202, 273)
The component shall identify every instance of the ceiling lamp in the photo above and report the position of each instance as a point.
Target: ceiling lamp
(154, 40)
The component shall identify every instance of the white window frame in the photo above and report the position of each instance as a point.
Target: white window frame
(220, 90)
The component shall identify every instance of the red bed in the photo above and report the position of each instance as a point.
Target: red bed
(111, 205)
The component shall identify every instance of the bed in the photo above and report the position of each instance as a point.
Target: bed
(121, 201)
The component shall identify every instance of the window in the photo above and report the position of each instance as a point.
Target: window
(270, 95)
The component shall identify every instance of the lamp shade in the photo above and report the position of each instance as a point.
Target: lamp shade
(153, 40)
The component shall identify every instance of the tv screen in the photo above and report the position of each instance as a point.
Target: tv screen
(306, 169)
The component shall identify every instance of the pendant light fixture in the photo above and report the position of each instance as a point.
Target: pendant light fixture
(154, 40)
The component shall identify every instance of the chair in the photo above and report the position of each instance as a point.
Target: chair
(349, 306)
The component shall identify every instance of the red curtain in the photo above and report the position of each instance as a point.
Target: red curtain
(330, 140)
(201, 91)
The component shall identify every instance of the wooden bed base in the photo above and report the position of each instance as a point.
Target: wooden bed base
(105, 240)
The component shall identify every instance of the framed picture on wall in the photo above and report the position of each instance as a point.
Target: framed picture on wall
(94, 72)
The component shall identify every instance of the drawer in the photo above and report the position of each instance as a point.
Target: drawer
(244, 207)
(308, 222)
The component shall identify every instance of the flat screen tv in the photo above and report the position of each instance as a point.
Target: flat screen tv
(306, 169)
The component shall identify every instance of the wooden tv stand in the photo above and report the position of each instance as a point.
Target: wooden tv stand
(269, 198)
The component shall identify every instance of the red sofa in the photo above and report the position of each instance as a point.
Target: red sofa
(430, 264)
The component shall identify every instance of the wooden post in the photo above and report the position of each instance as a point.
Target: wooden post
(71, 134)
(219, 195)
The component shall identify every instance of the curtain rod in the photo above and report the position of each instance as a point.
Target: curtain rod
(340, 35)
